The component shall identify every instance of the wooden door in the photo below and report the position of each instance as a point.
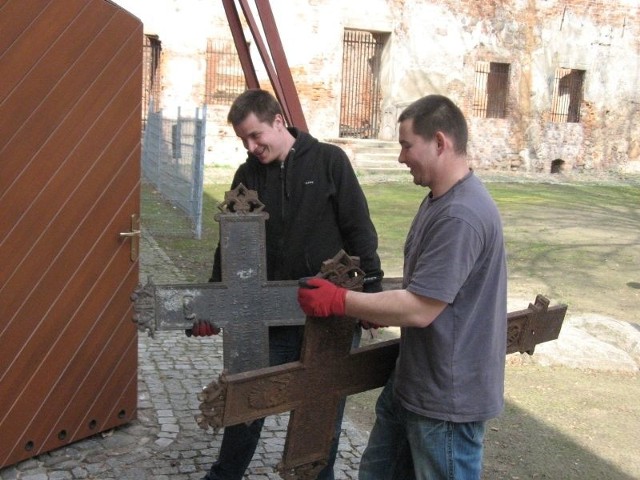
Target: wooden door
(70, 120)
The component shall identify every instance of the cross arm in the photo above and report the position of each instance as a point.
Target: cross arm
(176, 306)
(246, 396)
(534, 325)
(170, 306)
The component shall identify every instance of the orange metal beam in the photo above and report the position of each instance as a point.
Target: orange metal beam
(271, 53)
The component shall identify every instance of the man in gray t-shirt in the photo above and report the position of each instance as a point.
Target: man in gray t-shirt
(449, 378)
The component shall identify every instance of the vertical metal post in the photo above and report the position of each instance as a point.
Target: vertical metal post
(272, 55)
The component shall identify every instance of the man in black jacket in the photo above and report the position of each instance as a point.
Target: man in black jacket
(316, 208)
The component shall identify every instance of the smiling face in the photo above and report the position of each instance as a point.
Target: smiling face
(418, 154)
(267, 142)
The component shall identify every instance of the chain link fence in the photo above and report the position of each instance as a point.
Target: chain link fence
(173, 165)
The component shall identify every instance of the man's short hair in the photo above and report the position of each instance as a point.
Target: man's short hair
(259, 102)
(435, 113)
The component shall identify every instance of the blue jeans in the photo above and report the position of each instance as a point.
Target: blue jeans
(404, 445)
(239, 442)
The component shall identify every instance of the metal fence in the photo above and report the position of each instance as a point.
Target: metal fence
(173, 161)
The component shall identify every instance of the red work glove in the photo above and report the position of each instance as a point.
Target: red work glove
(321, 298)
(202, 328)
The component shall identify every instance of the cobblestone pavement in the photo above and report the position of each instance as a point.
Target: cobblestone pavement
(165, 441)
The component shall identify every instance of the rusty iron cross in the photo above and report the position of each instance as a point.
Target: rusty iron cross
(244, 304)
(311, 388)
(328, 371)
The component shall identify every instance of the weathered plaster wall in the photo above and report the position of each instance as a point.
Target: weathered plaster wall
(183, 28)
(433, 47)
(603, 39)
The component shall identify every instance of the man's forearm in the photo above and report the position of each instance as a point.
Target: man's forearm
(399, 308)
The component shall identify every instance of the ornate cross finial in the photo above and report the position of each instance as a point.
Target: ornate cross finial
(212, 398)
(343, 270)
(241, 200)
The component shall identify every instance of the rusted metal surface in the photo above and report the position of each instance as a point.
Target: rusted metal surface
(244, 304)
(328, 371)
(272, 54)
(311, 388)
(537, 324)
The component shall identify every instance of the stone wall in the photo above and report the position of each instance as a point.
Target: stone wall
(433, 48)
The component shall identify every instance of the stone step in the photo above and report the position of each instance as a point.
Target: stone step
(377, 162)
(363, 144)
(370, 154)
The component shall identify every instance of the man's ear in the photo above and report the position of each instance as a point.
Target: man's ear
(278, 121)
(440, 142)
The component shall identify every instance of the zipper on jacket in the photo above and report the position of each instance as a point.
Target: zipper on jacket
(284, 180)
(282, 188)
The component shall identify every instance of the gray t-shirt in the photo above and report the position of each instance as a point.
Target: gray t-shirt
(454, 368)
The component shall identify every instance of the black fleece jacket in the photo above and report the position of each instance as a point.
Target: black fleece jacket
(316, 208)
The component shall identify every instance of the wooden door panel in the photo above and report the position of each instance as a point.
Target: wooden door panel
(65, 219)
(60, 238)
(57, 172)
(49, 320)
(65, 102)
(69, 183)
(51, 298)
(54, 55)
(96, 348)
(81, 405)
(32, 34)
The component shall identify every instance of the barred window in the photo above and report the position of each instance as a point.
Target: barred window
(567, 95)
(151, 78)
(491, 90)
(225, 79)
(360, 96)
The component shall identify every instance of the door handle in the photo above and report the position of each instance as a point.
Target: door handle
(134, 234)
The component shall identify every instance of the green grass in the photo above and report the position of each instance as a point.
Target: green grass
(174, 233)
(562, 239)
(392, 207)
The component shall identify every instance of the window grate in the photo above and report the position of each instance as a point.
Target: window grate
(491, 90)
(224, 77)
(360, 96)
(151, 79)
(567, 95)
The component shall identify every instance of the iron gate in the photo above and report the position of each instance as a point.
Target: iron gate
(567, 95)
(491, 90)
(360, 98)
